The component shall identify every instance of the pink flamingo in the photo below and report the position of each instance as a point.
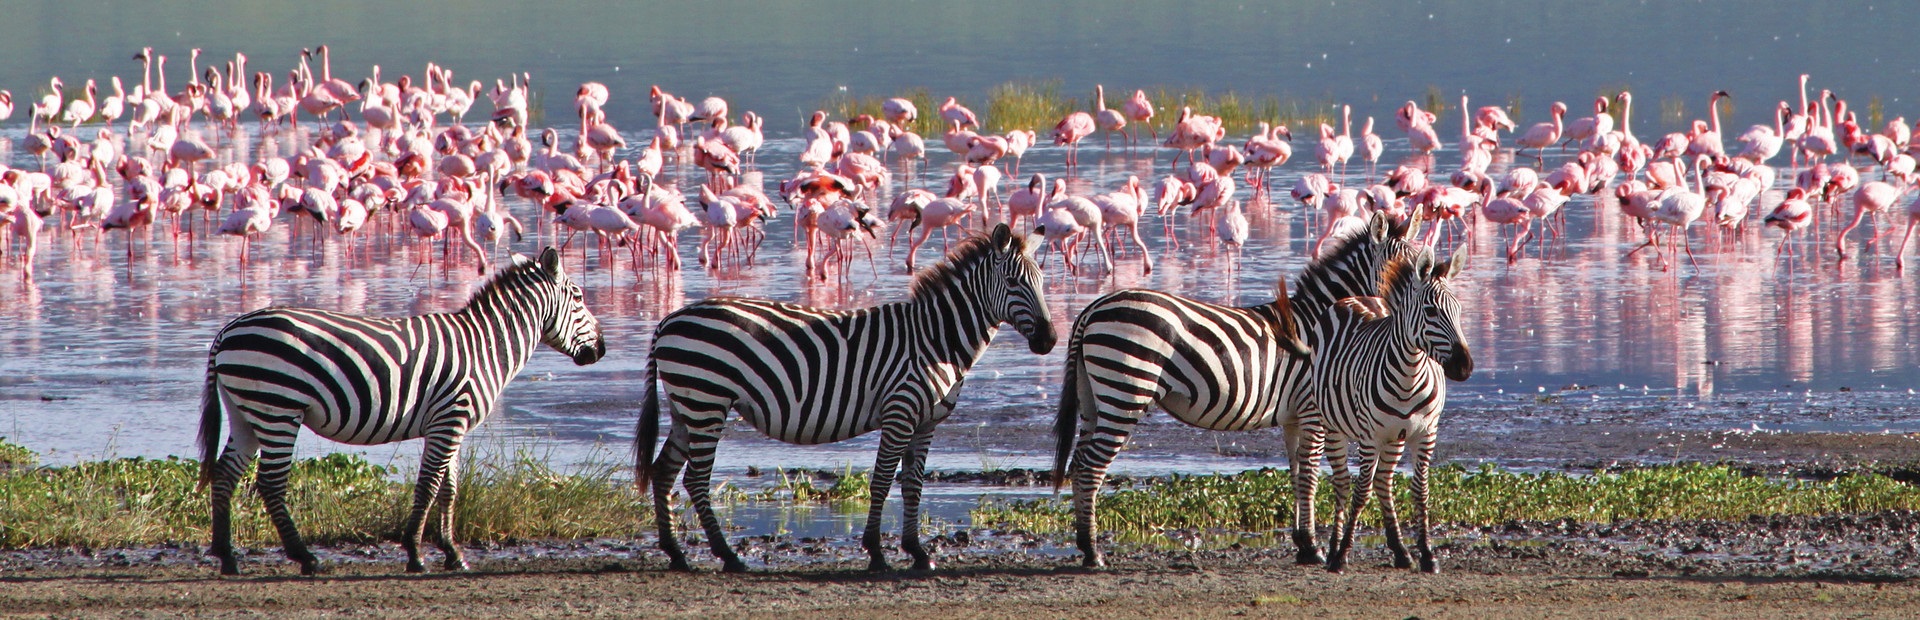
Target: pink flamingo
(1120, 210)
(1370, 147)
(1267, 149)
(1873, 197)
(1706, 138)
(1109, 120)
(1026, 201)
(1542, 135)
(958, 116)
(900, 111)
(1070, 130)
(1793, 214)
(1140, 111)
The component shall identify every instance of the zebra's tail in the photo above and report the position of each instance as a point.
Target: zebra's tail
(1066, 427)
(209, 422)
(648, 430)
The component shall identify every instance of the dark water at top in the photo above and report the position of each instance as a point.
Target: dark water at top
(105, 356)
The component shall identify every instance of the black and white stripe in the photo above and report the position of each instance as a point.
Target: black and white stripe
(810, 376)
(367, 380)
(1380, 383)
(1213, 367)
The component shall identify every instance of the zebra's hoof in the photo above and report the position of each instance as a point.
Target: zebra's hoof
(312, 568)
(1402, 563)
(1093, 560)
(1429, 566)
(923, 564)
(1309, 558)
(455, 564)
(416, 567)
(878, 565)
(734, 566)
(680, 565)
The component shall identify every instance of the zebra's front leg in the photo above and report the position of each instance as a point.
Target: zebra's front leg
(912, 473)
(1338, 562)
(896, 431)
(238, 454)
(1382, 484)
(434, 460)
(444, 505)
(1422, 460)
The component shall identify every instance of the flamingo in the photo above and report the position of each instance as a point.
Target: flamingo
(1018, 141)
(958, 116)
(1706, 138)
(1108, 120)
(1268, 149)
(900, 111)
(1140, 110)
(1070, 130)
(81, 110)
(1418, 124)
(1231, 228)
(1120, 210)
(1370, 147)
(1086, 214)
(1584, 128)
(1681, 206)
(1505, 210)
(1026, 201)
(1794, 213)
(1763, 142)
(1872, 197)
(1542, 135)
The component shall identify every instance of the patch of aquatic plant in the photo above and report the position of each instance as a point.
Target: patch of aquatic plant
(335, 498)
(803, 487)
(843, 106)
(1033, 106)
(1261, 500)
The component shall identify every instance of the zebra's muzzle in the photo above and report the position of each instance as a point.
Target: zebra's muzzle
(590, 354)
(1040, 337)
(1458, 366)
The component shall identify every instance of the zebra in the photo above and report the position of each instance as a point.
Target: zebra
(810, 376)
(1379, 385)
(1213, 367)
(366, 380)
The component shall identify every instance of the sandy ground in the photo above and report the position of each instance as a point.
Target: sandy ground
(1859, 566)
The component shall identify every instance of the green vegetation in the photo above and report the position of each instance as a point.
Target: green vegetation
(843, 107)
(1257, 501)
(1034, 106)
(801, 487)
(335, 498)
(1037, 105)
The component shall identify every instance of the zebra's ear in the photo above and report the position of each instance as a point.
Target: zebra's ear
(1377, 226)
(1423, 264)
(1453, 266)
(520, 260)
(550, 261)
(1002, 238)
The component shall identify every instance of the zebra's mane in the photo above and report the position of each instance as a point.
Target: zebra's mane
(964, 254)
(502, 278)
(1396, 275)
(1319, 270)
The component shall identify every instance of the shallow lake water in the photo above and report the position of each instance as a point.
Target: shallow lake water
(103, 355)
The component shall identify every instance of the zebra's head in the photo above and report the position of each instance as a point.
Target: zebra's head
(570, 328)
(1024, 305)
(1429, 291)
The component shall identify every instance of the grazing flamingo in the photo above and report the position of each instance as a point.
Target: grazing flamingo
(20, 221)
(1108, 120)
(906, 208)
(937, 215)
(1018, 141)
(1793, 214)
(1267, 149)
(1139, 110)
(899, 111)
(1542, 135)
(1913, 219)
(710, 110)
(1086, 213)
(1060, 228)
(1506, 210)
(1873, 197)
(958, 116)
(1069, 131)
(1120, 210)
(1026, 201)
(1193, 131)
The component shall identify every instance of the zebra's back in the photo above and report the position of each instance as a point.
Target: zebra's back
(782, 365)
(361, 380)
(1212, 366)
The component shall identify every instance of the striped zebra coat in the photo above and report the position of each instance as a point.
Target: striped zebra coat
(1213, 367)
(1381, 385)
(366, 380)
(809, 376)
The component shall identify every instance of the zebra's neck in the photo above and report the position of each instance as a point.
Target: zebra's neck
(953, 318)
(508, 320)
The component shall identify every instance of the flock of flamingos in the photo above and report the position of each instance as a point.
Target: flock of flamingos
(395, 159)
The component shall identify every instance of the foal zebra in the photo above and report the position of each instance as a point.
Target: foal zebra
(365, 380)
(1379, 385)
(810, 376)
(1213, 367)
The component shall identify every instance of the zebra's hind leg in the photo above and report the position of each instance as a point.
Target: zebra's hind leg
(896, 432)
(1094, 454)
(435, 459)
(1304, 446)
(276, 462)
(1382, 483)
(911, 473)
(666, 470)
(1422, 460)
(701, 442)
(444, 505)
(239, 453)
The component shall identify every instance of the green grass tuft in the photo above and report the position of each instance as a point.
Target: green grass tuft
(1257, 501)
